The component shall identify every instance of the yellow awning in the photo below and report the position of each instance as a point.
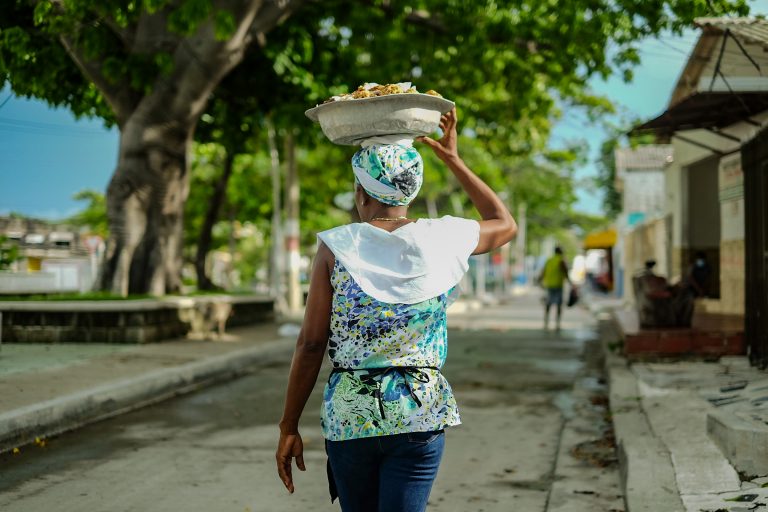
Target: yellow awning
(600, 239)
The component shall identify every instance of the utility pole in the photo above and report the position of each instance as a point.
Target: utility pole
(481, 270)
(293, 257)
(276, 256)
(520, 248)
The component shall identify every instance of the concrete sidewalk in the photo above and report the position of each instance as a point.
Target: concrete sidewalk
(48, 389)
(681, 430)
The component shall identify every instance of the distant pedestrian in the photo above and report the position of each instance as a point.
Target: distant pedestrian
(552, 278)
(377, 300)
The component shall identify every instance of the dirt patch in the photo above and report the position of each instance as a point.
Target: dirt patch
(600, 452)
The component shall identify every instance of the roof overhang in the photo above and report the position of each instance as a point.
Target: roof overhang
(707, 110)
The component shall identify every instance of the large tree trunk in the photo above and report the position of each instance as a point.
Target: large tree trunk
(145, 206)
(206, 232)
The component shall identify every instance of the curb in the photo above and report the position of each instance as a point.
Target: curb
(742, 439)
(21, 426)
(647, 474)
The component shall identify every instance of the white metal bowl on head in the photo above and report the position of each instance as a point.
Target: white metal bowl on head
(349, 122)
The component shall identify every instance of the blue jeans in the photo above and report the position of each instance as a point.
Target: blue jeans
(386, 473)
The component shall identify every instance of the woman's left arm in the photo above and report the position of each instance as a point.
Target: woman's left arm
(305, 366)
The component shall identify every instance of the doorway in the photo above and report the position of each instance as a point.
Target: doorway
(754, 156)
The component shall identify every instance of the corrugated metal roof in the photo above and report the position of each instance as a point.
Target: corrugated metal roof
(707, 110)
(648, 156)
(750, 29)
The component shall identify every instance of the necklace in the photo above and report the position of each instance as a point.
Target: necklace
(390, 219)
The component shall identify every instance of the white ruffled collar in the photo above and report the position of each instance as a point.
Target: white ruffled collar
(415, 262)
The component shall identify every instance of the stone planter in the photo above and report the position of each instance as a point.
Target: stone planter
(128, 321)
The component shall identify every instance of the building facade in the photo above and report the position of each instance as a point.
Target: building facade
(718, 106)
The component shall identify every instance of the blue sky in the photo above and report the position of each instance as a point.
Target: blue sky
(644, 97)
(46, 155)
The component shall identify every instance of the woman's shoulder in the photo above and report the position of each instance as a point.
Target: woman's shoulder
(340, 228)
(448, 220)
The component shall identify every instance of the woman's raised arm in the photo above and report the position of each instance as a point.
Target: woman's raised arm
(498, 226)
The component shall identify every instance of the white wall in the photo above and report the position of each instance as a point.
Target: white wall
(23, 282)
(644, 192)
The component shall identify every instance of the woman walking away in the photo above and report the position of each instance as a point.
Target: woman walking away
(377, 300)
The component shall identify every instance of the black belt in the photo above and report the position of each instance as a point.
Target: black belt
(374, 375)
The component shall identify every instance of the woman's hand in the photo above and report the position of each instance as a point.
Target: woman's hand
(447, 147)
(289, 447)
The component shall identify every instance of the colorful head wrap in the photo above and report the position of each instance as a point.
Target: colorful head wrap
(389, 173)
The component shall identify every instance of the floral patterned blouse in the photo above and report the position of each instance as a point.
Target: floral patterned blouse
(411, 339)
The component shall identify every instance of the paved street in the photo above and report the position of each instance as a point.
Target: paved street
(530, 401)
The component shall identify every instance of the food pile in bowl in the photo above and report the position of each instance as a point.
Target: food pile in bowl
(394, 111)
(373, 90)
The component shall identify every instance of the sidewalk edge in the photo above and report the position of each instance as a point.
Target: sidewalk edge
(20, 426)
(647, 473)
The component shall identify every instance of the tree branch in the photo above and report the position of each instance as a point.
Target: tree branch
(152, 34)
(120, 98)
(419, 17)
(125, 35)
(424, 19)
(270, 14)
(200, 61)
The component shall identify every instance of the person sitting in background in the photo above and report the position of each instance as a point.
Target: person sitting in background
(660, 304)
(699, 273)
(654, 285)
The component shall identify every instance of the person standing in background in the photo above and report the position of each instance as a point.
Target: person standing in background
(552, 277)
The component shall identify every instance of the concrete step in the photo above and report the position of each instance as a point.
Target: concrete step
(738, 420)
(661, 415)
(648, 474)
(678, 419)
